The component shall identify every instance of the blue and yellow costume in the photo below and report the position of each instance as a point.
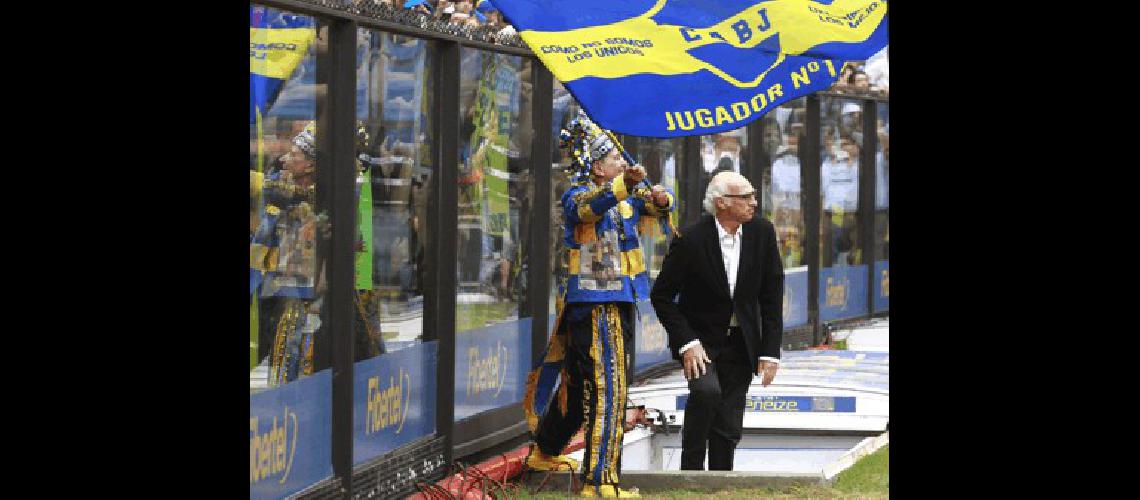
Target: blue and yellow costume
(586, 357)
(283, 266)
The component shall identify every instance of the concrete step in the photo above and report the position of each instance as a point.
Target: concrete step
(667, 480)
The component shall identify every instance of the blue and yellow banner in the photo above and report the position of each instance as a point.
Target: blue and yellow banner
(277, 43)
(795, 297)
(669, 68)
(491, 366)
(289, 429)
(881, 286)
(651, 341)
(394, 399)
(842, 292)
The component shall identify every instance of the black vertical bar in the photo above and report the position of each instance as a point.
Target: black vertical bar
(756, 156)
(542, 107)
(693, 179)
(444, 198)
(335, 136)
(867, 195)
(811, 205)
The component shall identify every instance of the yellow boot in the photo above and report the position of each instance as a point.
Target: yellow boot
(539, 461)
(609, 491)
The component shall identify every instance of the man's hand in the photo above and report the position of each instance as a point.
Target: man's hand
(767, 368)
(634, 175)
(660, 198)
(693, 361)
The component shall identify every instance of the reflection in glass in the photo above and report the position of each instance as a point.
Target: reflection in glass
(783, 134)
(724, 151)
(394, 139)
(882, 185)
(660, 158)
(494, 183)
(565, 109)
(840, 145)
(286, 272)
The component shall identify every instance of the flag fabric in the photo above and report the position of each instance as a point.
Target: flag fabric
(482, 8)
(669, 68)
(277, 43)
(412, 3)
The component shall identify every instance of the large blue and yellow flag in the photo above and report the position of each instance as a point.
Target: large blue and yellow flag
(667, 68)
(277, 43)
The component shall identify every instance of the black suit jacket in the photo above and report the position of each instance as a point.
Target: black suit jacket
(693, 272)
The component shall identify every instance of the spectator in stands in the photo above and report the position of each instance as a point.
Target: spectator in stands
(878, 70)
(495, 20)
(444, 9)
(422, 6)
(851, 121)
(844, 77)
(724, 165)
(860, 81)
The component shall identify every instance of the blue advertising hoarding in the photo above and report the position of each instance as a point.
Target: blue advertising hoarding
(491, 366)
(394, 400)
(651, 339)
(881, 286)
(842, 292)
(289, 436)
(795, 297)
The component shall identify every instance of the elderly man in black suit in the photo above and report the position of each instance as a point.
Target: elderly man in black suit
(720, 296)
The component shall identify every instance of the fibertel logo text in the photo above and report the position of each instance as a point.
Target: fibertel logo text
(486, 373)
(837, 292)
(652, 337)
(271, 453)
(388, 407)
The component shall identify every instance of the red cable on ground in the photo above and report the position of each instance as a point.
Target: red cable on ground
(469, 483)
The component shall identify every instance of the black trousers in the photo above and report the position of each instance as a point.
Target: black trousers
(714, 412)
(596, 389)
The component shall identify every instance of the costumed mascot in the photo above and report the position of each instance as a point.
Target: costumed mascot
(581, 379)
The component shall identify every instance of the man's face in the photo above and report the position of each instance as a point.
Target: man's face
(794, 134)
(861, 81)
(611, 165)
(771, 139)
(739, 203)
(297, 163)
(851, 149)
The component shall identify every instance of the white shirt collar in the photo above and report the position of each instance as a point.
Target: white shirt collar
(722, 232)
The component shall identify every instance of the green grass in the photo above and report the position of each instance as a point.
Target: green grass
(472, 316)
(870, 474)
(868, 478)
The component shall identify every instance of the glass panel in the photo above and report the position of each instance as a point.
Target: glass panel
(880, 279)
(724, 151)
(394, 141)
(882, 185)
(290, 399)
(492, 316)
(843, 270)
(286, 290)
(840, 143)
(661, 158)
(565, 109)
(394, 377)
(783, 187)
(783, 135)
